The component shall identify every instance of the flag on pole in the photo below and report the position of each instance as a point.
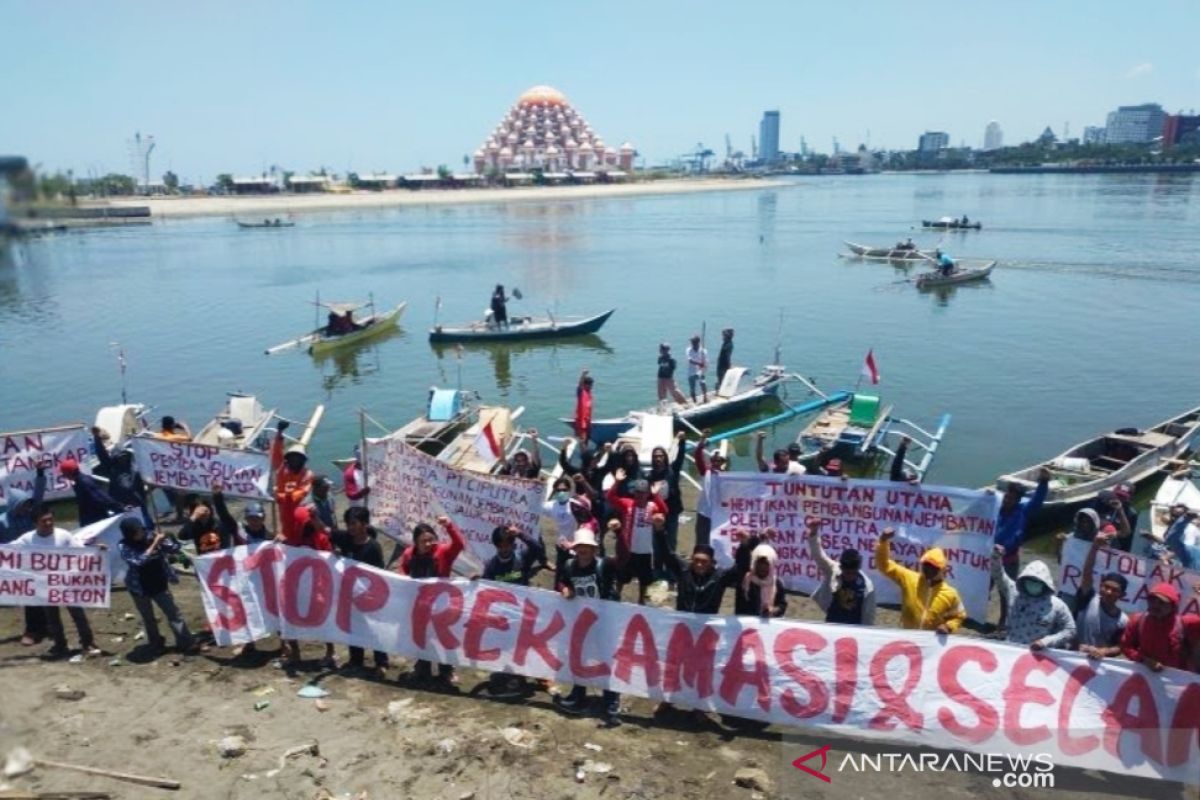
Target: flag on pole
(486, 443)
(869, 370)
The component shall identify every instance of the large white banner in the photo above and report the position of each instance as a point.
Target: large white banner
(912, 686)
(408, 486)
(852, 514)
(107, 532)
(21, 452)
(194, 467)
(54, 576)
(1141, 574)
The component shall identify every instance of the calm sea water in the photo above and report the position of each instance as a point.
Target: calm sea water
(1088, 323)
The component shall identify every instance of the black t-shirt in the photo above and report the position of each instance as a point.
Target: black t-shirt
(369, 552)
(846, 606)
(594, 581)
(666, 366)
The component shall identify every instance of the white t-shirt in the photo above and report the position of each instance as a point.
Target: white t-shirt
(642, 540)
(60, 538)
(697, 358)
(564, 521)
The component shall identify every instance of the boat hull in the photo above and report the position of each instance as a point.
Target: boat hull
(930, 280)
(531, 330)
(385, 322)
(887, 253)
(951, 226)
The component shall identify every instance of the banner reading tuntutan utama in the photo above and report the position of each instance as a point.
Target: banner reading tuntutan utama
(953, 692)
(1141, 574)
(852, 514)
(195, 467)
(408, 486)
(54, 576)
(21, 452)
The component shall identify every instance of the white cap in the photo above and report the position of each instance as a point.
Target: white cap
(584, 536)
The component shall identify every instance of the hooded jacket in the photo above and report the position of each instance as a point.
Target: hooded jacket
(1032, 619)
(923, 605)
(1094, 517)
(1010, 526)
(18, 515)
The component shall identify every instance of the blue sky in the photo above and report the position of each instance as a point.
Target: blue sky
(234, 87)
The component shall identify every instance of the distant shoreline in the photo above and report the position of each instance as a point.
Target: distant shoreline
(1096, 169)
(255, 207)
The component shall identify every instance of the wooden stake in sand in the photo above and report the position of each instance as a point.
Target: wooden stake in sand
(143, 780)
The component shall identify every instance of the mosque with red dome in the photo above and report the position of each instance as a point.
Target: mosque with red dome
(543, 131)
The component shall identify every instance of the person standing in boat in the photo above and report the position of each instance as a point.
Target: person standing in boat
(666, 376)
(945, 264)
(583, 409)
(500, 307)
(697, 359)
(725, 356)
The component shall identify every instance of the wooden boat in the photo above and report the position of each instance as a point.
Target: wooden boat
(962, 274)
(648, 432)
(265, 224)
(739, 392)
(447, 413)
(320, 342)
(520, 328)
(951, 224)
(1127, 455)
(887, 253)
(1178, 489)
(470, 449)
(241, 425)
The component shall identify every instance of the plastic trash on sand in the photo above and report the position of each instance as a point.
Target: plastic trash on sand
(312, 692)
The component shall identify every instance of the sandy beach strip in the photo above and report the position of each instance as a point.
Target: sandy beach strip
(256, 207)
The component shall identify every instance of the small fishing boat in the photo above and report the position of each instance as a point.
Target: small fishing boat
(962, 274)
(241, 425)
(482, 446)
(448, 412)
(951, 224)
(321, 341)
(266, 223)
(1127, 455)
(886, 253)
(520, 328)
(648, 432)
(1178, 489)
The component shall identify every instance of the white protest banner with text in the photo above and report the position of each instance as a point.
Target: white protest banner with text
(1141, 574)
(408, 486)
(852, 514)
(20, 454)
(54, 576)
(194, 467)
(955, 692)
(107, 532)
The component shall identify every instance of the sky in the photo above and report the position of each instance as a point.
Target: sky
(386, 86)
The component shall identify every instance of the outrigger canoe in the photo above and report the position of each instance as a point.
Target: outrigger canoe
(320, 342)
(951, 224)
(962, 274)
(886, 253)
(520, 328)
(265, 224)
(1127, 455)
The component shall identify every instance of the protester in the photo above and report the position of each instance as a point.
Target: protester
(664, 476)
(1099, 621)
(524, 464)
(307, 531)
(1036, 617)
(666, 376)
(1160, 636)
(706, 463)
(589, 476)
(760, 592)
(93, 502)
(359, 542)
(202, 530)
(627, 470)
(514, 563)
(1182, 539)
(846, 594)
(46, 535)
(725, 356)
(251, 530)
(20, 516)
(173, 430)
(697, 360)
(899, 472)
(293, 479)
(560, 510)
(354, 482)
(591, 578)
(322, 501)
(499, 305)
(124, 483)
(781, 460)
(148, 580)
(1114, 506)
(927, 600)
(634, 526)
(426, 557)
(583, 409)
(1012, 523)
(827, 466)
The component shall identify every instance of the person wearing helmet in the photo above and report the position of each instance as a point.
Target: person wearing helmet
(927, 600)
(293, 479)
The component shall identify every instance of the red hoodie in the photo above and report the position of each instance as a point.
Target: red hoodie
(297, 536)
(635, 520)
(443, 555)
(1169, 641)
(583, 412)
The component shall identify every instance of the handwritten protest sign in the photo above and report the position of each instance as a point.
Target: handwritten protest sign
(852, 513)
(195, 467)
(54, 576)
(913, 687)
(1141, 574)
(408, 486)
(21, 452)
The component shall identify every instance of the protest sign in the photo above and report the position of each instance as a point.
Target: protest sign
(107, 532)
(194, 467)
(852, 514)
(915, 687)
(21, 452)
(1141, 574)
(408, 486)
(54, 576)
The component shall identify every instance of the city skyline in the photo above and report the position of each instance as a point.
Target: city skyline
(382, 88)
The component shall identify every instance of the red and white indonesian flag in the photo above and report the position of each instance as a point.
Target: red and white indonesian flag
(486, 443)
(869, 370)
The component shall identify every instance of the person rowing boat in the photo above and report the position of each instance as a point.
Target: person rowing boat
(945, 263)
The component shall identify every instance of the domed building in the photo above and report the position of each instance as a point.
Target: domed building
(543, 131)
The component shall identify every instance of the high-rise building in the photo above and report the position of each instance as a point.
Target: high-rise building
(1135, 124)
(932, 141)
(768, 137)
(993, 137)
(1094, 134)
(1180, 128)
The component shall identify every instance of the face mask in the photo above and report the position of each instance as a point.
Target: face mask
(562, 497)
(1033, 588)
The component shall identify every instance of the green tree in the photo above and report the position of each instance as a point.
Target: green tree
(225, 182)
(171, 181)
(443, 172)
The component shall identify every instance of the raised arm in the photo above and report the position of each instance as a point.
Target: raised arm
(1006, 585)
(824, 562)
(897, 471)
(883, 558)
(1039, 494)
(759, 439)
(102, 454)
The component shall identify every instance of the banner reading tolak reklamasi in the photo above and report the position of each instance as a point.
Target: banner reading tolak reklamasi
(54, 576)
(196, 467)
(852, 514)
(1140, 573)
(21, 452)
(408, 486)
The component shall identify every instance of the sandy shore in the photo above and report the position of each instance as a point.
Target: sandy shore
(254, 207)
